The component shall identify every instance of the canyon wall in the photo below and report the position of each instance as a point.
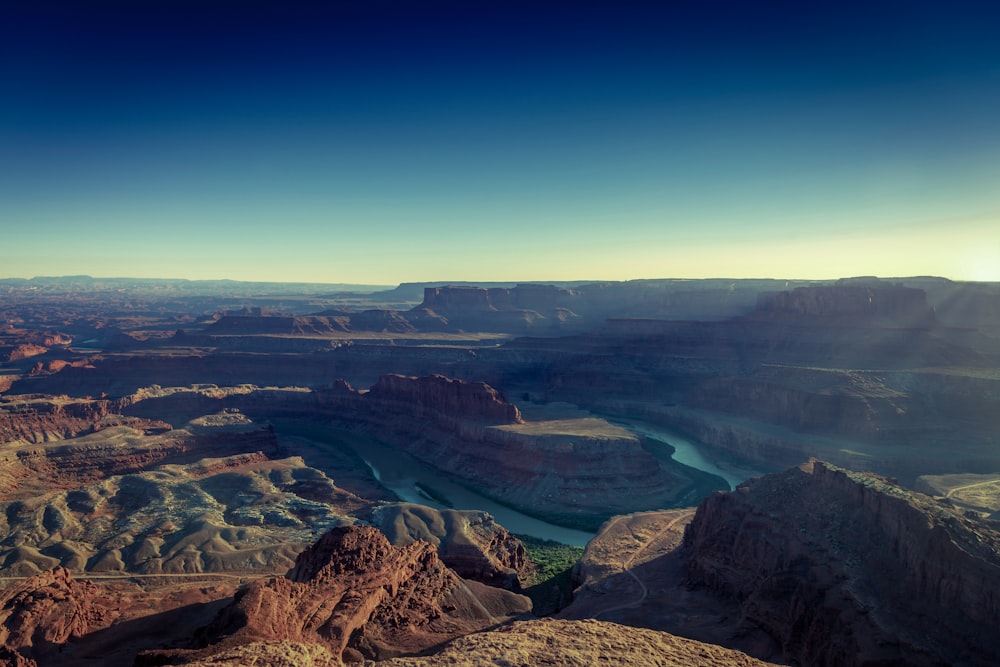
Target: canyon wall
(847, 568)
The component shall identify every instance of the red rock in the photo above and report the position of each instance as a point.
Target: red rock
(354, 592)
(39, 614)
(444, 398)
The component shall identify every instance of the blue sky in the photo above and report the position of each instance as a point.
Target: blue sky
(383, 141)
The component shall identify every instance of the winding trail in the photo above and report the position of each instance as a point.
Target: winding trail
(627, 564)
(969, 486)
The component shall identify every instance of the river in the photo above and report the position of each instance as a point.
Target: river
(401, 473)
(687, 452)
(416, 482)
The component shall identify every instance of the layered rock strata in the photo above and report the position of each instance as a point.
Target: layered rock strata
(576, 471)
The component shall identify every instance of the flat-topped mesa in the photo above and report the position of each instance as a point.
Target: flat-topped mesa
(848, 568)
(356, 595)
(523, 296)
(520, 309)
(444, 399)
(457, 297)
(863, 302)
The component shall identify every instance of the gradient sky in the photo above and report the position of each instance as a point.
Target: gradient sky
(378, 141)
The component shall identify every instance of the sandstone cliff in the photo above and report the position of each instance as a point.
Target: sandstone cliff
(39, 418)
(576, 472)
(443, 399)
(847, 568)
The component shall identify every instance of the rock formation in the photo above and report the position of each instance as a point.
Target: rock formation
(114, 446)
(851, 301)
(521, 309)
(469, 542)
(39, 614)
(355, 594)
(847, 568)
(36, 418)
(576, 472)
(443, 399)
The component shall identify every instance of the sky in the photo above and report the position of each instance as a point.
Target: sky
(381, 141)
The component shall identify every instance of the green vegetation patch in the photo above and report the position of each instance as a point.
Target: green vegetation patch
(550, 583)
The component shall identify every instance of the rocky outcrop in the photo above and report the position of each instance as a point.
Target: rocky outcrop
(39, 614)
(355, 594)
(847, 568)
(469, 542)
(443, 399)
(19, 352)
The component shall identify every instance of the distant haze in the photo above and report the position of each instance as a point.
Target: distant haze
(380, 142)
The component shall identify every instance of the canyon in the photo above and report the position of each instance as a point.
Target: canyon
(203, 456)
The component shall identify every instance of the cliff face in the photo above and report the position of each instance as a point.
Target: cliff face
(577, 471)
(443, 399)
(110, 448)
(354, 593)
(847, 568)
(38, 418)
(858, 301)
(518, 309)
